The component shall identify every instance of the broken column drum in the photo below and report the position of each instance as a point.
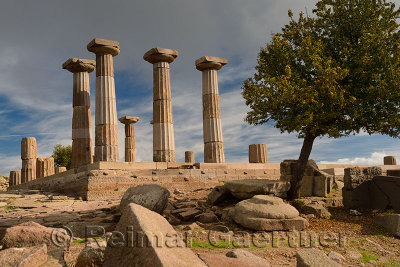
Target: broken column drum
(44, 167)
(106, 130)
(15, 178)
(163, 129)
(28, 156)
(258, 153)
(212, 129)
(129, 137)
(81, 119)
(189, 156)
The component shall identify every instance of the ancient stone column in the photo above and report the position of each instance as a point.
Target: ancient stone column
(81, 119)
(28, 156)
(106, 130)
(258, 153)
(60, 169)
(129, 137)
(189, 156)
(44, 167)
(212, 129)
(389, 160)
(15, 178)
(163, 129)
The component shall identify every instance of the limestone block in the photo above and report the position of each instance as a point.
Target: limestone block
(208, 62)
(79, 65)
(353, 177)
(153, 226)
(28, 148)
(245, 189)
(44, 167)
(312, 257)
(389, 160)
(389, 221)
(60, 169)
(158, 54)
(258, 153)
(189, 156)
(28, 170)
(385, 193)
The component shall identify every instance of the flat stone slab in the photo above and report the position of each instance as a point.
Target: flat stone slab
(312, 257)
(245, 189)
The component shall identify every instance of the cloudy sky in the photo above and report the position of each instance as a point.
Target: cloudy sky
(36, 93)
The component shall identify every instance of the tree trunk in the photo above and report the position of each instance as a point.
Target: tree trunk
(300, 167)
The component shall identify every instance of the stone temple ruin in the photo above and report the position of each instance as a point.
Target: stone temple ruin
(150, 193)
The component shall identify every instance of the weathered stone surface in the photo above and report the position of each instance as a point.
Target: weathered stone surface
(189, 214)
(337, 257)
(258, 153)
(189, 156)
(44, 167)
(150, 224)
(152, 197)
(353, 177)
(390, 222)
(208, 217)
(79, 65)
(244, 189)
(98, 45)
(91, 256)
(129, 137)
(385, 192)
(60, 169)
(24, 257)
(28, 148)
(28, 170)
(312, 257)
(158, 54)
(208, 62)
(29, 234)
(129, 119)
(314, 208)
(267, 213)
(389, 160)
(15, 178)
(217, 195)
(234, 258)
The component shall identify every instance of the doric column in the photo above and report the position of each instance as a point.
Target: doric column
(129, 137)
(60, 169)
(81, 119)
(28, 156)
(44, 167)
(258, 153)
(106, 130)
(189, 156)
(212, 130)
(163, 129)
(389, 160)
(15, 178)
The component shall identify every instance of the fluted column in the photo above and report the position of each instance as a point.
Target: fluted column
(258, 153)
(106, 130)
(189, 156)
(28, 156)
(44, 167)
(15, 178)
(163, 129)
(129, 137)
(81, 118)
(212, 129)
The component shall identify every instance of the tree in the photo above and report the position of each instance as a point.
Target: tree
(62, 156)
(333, 74)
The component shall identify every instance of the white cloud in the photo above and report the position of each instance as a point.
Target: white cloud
(376, 158)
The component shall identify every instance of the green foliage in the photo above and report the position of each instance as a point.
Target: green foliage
(62, 156)
(332, 74)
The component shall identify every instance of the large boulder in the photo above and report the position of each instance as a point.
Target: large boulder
(24, 257)
(30, 234)
(245, 189)
(267, 213)
(312, 257)
(217, 195)
(150, 196)
(390, 222)
(154, 243)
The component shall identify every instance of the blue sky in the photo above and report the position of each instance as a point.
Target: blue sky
(36, 93)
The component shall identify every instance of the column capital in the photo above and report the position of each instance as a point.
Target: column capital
(79, 65)
(129, 119)
(103, 46)
(158, 54)
(207, 62)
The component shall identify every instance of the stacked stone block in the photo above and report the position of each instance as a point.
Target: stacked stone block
(258, 153)
(314, 182)
(106, 130)
(212, 128)
(15, 178)
(44, 167)
(81, 120)
(28, 156)
(189, 156)
(129, 137)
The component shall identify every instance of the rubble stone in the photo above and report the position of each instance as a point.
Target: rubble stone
(312, 257)
(24, 257)
(245, 189)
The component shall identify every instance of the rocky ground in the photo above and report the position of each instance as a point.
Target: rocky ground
(352, 239)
